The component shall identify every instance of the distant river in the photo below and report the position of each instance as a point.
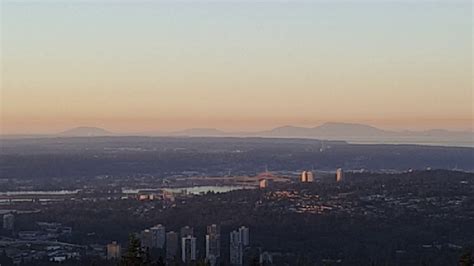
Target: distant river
(188, 190)
(204, 189)
(39, 192)
(191, 190)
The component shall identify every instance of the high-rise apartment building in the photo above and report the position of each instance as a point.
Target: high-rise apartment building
(186, 231)
(188, 249)
(146, 238)
(113, 251)
(339, 175)
(213, 244)
(244, 236)
(9, 221)
(158, 236)
(307, 176)
(263, 183)
(171, 245)
(236, 249)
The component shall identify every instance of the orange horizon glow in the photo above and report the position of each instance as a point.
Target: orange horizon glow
(235, 66)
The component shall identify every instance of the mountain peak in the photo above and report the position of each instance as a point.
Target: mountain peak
(86, 132)
(348, 129)
(344, 125)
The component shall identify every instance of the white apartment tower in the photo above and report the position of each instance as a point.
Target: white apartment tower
(236, 249)
(339, 175)
(188, 249)
(307, 176)
(244, 235)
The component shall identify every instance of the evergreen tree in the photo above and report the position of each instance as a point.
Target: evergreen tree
(201, 262)
(161, 261)
(134, 256)
(255, 262)
(466, 259)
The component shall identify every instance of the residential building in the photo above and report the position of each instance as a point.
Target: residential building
(307, 177)
(171, 245)
(9, 221)
(113, 251)
(244, 236)
(158, 236)
(186, 231)
(236, 249)
(339, 175)
(213, 245)
(188, 249)
(266, 258)
(146, 238)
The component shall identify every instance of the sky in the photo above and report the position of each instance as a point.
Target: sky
(150, 66)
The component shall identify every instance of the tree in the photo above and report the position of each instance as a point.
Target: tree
(201, 262)
(161, 261)
(134, 256)
(466, 259)
(255, 262)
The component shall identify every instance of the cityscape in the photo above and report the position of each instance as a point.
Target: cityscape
(231, 226)
(236, 133)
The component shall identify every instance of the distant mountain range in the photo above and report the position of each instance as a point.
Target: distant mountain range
(85, 132)
(356, 133)
(325, 131)
(328, 131)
